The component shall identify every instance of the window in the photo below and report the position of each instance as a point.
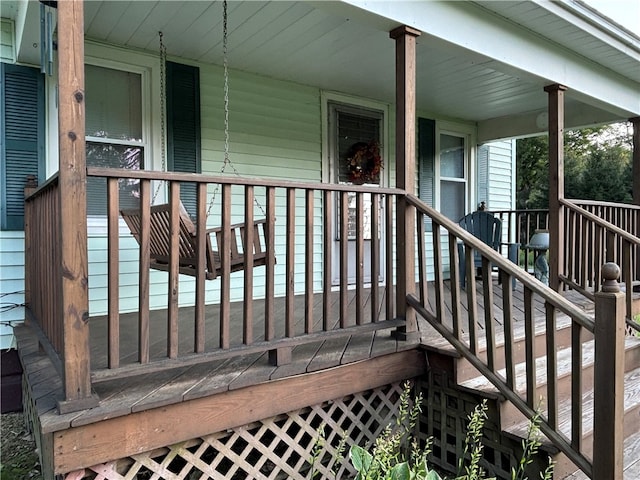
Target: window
(443, 169)
(453, 178)
(21, 139)
(114, 132)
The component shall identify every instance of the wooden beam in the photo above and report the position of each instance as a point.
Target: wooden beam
(556, 182)
(82, 446)
(635, 158)
(405, 38)
(73, 206)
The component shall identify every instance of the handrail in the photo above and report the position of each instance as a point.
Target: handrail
(235, 180)
(51, 181)
(598, 203)
(466, 343)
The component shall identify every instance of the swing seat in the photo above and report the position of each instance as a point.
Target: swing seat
(160, 242)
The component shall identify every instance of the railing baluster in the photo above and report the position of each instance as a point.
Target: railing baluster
(225, 268)
(113, 273)
(375, 257)
(269, 274)
(455, 284)
(173, 283)
(530, 348)
(438, 280)
(552, 367)
(247, 247)
(344, 257)
(490, 334)
(308, 267)
(291, 261)
(472, 308)
(359, 263)
(576, 385)
(327, 243)
(143, 274)
(422, 260)
(201, 265)
(390, 249)
(507, 317)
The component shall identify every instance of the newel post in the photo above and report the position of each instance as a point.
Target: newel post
(405, 38)
(609, 377)
(73, 207)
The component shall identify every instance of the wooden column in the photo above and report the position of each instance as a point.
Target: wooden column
(556, 183)
(73, 206)
(608, 397)
(635, 158)
(30, 187)
(405, 38)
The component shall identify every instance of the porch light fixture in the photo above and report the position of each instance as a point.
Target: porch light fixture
(539, 243)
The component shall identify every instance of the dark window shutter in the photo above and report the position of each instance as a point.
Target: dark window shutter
(21, 138)
(426, 161)
(183, 126)
(483, 174)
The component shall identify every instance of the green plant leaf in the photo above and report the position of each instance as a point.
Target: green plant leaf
(433, 475)
(360, 458)
(399, 472)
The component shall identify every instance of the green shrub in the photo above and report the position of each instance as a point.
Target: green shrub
(396, 454)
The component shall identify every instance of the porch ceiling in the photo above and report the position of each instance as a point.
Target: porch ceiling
(342, 47)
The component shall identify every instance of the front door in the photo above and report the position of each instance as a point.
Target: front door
(356, 154)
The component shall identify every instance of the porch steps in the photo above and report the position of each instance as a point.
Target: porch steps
(511, 420)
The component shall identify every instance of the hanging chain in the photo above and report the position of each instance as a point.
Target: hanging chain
(225, 64)
(163, 153)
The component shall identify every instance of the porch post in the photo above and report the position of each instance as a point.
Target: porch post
(635, 158)
(73, 217)
(405, 38)
(556, 183)
(608, 396)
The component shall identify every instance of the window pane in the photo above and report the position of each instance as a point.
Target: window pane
(452, 199)
(451, 156)
(357, 137)
(114, 104)
(113, 156)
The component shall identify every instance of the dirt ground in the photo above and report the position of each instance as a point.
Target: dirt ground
(18, 457)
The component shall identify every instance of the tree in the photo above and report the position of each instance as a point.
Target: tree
(597, 166)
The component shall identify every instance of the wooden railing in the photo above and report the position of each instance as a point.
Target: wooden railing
(597, 233)
(520, 225)
(43, 265)
(460, 328)
(305, 236)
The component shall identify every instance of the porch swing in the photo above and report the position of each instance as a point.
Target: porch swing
(160, 215)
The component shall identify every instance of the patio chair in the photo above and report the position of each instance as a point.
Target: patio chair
(484, 226)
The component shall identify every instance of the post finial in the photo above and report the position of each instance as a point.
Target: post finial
(610, 274)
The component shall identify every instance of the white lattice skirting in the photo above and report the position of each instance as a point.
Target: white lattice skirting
(276, 448)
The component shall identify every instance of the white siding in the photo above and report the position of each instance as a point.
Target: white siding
(502, 179)
(11, 284)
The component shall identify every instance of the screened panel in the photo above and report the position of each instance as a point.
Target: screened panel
(452, 199)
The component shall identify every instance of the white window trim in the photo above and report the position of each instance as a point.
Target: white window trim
(326, 98)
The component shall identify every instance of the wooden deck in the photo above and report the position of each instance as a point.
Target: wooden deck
(119, 396)
(162, 399)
